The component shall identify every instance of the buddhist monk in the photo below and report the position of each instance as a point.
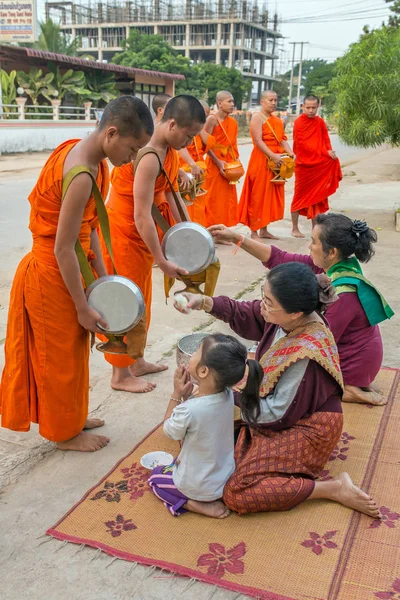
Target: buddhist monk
(317, 171)
(190, 156)
(136, 238)
(158, 105)
(46, 374)
(221, 199)
(263, 201)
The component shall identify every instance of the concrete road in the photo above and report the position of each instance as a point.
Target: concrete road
(46, 483)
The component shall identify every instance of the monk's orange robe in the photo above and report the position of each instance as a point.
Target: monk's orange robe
(132, 257)
(221, 198)
(197, 149)
(317, 175)
(261, 201)
(46, 374)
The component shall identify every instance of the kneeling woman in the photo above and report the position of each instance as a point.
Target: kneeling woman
(289, 433)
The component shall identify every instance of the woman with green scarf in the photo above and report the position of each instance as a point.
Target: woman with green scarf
(337, 247)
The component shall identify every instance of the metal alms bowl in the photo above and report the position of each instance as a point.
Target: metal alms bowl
(190, 246)
(187, 346)
(118, 300)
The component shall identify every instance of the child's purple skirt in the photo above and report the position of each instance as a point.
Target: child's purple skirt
(163, 486)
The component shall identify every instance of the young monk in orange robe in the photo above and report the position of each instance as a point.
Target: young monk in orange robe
(221, 198)
(136, 238)
(262, 201)
(317, 171)
(46, 374)
(191, 155)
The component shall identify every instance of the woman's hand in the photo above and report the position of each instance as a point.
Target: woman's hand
(91, 320)
(224, 235)
(183, 386)
(195, 302)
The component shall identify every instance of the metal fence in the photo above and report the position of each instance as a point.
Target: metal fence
(54, 112)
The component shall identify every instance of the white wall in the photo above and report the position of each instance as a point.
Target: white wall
(40, 135)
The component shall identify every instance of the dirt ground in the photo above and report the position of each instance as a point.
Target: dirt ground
(41, 484)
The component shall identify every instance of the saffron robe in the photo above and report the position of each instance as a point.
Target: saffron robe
(197, 149)
(221, 198)
(278, 459)
(132, 257)
(317, 175)
(261, 201)
(359, 343)
(46, 374)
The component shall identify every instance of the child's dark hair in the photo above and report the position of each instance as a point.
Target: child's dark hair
(349, 237)
(226, 357)
(295, 287)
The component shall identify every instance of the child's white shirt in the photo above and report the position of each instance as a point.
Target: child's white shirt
(206, 461)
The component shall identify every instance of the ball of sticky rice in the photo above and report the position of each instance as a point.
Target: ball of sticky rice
(181, 302)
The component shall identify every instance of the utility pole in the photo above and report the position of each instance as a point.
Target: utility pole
(299, 81)
(291, 79)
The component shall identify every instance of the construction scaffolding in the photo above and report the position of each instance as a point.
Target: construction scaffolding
(151, 11)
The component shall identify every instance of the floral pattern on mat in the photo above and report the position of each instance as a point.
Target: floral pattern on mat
(111, 491)
(342, 447)
(393, 594)
(318, 542)
(219, 560)
(325, 475)
(136, 471)
(388, 518)
(117, 527)
(134, 483)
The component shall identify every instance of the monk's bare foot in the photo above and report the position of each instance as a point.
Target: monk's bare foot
(254, 235)
(216, 509)
(129, 383)
(297, 233)
(350, 495)
(142, 367)
(356, 394)
(93, 423)
(84, 442)
(265, 234)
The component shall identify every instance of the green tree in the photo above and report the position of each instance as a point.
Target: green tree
(8, 87)
(367, 85)
(70, 82)
(394, 19)
(53, 39)
(203, 80)
(35, 84)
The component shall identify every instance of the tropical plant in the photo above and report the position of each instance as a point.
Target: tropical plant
(36, 84)
(367, 88)
(100, 86)
(8, 87)
(53, 39)
(70, 82)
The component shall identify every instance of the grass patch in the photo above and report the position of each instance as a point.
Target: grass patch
(250, 288)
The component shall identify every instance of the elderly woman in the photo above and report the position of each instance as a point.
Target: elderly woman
(337, 247)
(288, 435)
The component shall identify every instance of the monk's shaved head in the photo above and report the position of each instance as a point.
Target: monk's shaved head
(185, 110)
(129, 115)
(160, 101)
(311, 98)
(223, 95)
(267, 93)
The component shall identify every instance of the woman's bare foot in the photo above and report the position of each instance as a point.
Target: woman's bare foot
(341, 489)
(142, 367)
(93, 423)
(264, 233)
(84, 442)
(123, 381)
(297, 233)
(356, 394)
(216, 509)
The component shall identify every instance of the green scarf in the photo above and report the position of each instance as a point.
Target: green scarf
(349, 273)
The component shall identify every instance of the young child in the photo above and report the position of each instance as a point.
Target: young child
(204, 424)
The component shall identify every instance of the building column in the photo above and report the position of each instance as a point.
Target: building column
(231, 51)
(100, 43)
(259, 92)
(218, 49)
(155, 29)
(187, 40)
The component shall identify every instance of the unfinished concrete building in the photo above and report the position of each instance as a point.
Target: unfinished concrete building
(235, 33)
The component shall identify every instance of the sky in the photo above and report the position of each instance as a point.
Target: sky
(328, 25)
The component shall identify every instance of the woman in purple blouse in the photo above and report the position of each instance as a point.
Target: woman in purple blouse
(337, 245)
(289, 432)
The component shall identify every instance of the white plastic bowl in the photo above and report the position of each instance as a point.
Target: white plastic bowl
(151, 460)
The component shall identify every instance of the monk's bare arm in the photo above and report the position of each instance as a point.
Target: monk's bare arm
(143, 191)
(195, 169)
(69, 225)
(226, 235)
(256, 133)
(286, 147)
(175, 211)
(209, 128)
(98, 262)
(204, 136)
